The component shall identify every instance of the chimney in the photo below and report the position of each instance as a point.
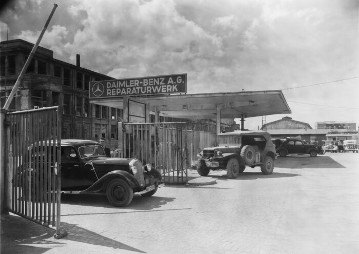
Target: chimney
(78, 60)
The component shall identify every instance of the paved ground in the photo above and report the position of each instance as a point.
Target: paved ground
(309, 205)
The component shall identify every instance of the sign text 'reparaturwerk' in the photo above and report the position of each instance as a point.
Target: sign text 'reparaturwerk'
(168, 84)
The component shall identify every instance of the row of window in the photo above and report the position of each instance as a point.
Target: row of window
(38, 66)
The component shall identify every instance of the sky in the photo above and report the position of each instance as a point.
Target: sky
(309, 49)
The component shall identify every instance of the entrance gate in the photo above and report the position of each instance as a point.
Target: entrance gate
(33, 175)
(164, 145)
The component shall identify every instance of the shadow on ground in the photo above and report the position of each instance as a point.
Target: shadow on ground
(301, 161)
(254, 176)
(96, 200)
(20, 235)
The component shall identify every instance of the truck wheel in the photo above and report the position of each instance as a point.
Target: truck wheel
(233, 168)
(268, 165)
(202, 168)
(283, 153)
(248, 154)
(313, 153)
(119, 193)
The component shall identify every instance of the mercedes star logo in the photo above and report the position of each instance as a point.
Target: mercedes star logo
(98, 89)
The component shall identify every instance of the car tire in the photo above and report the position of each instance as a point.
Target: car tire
(268, 165)
(234, 168)
(119, 193)
(313, 153)
(283, 153)
(202, 168)
(248, 153)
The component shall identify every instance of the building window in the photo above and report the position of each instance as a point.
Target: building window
(55, 99)
(11, 65)
(67, 104)
(87, 82)
(86, 107)
(114, 131)
(113, 114)
(67, 77)
(38, 98)
(31, 67)
(120, 114)
(104, 112)
(79, 79)
(78, 107)
(97, 111)
(41, 67)
(2, 65)
(57, 71)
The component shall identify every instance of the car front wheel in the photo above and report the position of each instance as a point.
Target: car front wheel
(119, 193)
(268, 165)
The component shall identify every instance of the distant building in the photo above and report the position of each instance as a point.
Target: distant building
(336, 125)
(329, 131)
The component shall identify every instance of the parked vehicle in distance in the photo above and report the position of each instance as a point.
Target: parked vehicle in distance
(297, 146)
(86, 169)
(351, 146)
(236, 150)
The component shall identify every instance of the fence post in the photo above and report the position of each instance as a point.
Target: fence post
(2, 162)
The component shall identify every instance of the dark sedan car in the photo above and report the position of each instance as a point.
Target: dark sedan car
(85, 168)
(296, 146)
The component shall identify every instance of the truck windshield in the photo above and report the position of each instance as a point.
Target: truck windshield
(91, 151)
(229, 140)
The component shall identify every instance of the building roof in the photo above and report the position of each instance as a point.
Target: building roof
(286, 118)
(298, 131)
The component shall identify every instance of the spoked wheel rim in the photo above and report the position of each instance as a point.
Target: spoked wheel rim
(119, 193)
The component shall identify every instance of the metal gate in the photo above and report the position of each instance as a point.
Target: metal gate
(33, 175)
(164, 145)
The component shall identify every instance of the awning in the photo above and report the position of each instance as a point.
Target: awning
(204, 106)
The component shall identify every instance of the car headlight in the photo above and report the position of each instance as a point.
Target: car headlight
(200, 155)
(149, 167)
(218, 153)
(135, 166)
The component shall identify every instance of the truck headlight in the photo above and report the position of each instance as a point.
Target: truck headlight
(218, 153)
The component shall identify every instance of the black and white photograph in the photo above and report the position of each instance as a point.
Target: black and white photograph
(179, 126)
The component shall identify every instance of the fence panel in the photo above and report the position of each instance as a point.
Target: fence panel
(33, 146)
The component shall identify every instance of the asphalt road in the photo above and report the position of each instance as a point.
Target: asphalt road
(308, 205)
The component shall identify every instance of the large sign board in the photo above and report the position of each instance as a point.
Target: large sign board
(166, 84)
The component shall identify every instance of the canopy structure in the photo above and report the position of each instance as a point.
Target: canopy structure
(209, 105)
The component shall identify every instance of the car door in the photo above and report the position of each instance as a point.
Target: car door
(76, 174)
(290, 146)
(299, 146)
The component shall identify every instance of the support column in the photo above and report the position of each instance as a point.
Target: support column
(242, 122)
(2, 162)
(218, 107)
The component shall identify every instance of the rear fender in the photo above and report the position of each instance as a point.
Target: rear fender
(100, 184)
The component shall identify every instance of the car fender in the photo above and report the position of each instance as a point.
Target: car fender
(100, 184)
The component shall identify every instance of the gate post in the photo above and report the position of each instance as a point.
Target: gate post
(3, 207)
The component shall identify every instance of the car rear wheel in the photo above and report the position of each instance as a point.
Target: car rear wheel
(119, 193)
(248, 154)
(234, 168)
(313, 153)
(268, 165)
(283, 153)
(202, 168)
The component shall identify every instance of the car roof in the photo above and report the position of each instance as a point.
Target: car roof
(77, 142)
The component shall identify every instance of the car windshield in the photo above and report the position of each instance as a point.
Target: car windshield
(229, 140)
(91, 151)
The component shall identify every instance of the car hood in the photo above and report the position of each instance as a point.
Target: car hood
(104, 165)
(224, 149)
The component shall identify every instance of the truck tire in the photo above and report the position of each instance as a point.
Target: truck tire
(202, 168)
(248, 153)
(233, 168)
(268, 165)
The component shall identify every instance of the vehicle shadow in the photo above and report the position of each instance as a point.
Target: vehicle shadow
(301, 161)
(254, 175)
(96, 200)
(19, 233)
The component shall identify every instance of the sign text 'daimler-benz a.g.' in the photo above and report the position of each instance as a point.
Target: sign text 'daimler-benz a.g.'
(166, 84)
